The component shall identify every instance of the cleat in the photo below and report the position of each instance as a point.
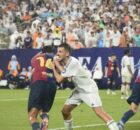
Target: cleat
(121, 126)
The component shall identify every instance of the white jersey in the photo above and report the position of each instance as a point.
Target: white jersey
(79, 75)
(125, 62)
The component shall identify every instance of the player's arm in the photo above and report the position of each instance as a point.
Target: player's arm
(58, 65)
(130, 70)
(129, 66)
(58, 76)
(106, 70)
(118, 71)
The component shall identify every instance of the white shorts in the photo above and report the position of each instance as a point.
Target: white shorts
(126, 79)
(91, 99)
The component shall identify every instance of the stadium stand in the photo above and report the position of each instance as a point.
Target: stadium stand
(89, 23)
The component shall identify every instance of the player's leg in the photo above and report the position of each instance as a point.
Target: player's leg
(49, 91)
(113, 87)
(106, 118)
(128, 86)
(45, 120)
(134, 101)
(93, 100)
(72, 102)
(66, 112)
(127, 115)
(34, 104)
(108, 85)
(127, 90)
(123, 87)
(32, 114)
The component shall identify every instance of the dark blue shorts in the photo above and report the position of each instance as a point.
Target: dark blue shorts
(135, 96)
(41, 95)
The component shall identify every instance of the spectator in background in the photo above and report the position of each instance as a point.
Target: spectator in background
(22, 78)
(57, 36)
(1, 74)
(13, 38)
(13, 64)
(19, 42)
(29, 73)
(116, 37)
(28, 41)
(123, 40)
(12, 78)
(108, 40)
(39, 41)
(13, 68)
(26, 17)
(136, 37)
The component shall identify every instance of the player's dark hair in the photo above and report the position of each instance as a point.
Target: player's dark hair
(48, 49)
(66, 47)
(127, 51)
(113, 54)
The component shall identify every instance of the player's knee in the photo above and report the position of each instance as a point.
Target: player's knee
(134, 109)
(98, 112)
(65, 112)
(33, 115)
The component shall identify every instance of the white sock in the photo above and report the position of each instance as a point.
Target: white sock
(112, 125)
(68, 124)
(127, 89)
(123, 89)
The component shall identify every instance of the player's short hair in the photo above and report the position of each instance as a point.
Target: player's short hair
(66, 47)
(127, 51)
(48, 49)
(113, 54)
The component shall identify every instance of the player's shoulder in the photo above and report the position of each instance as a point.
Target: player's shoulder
(49, 55)
(73, 60)
(124, 57)
(39, 55)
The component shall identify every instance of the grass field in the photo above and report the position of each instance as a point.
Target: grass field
(13, 112)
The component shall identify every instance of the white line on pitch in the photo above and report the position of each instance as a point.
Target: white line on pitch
(22, 99)
(92, 125)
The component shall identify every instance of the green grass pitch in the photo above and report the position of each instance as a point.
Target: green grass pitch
(13, 112)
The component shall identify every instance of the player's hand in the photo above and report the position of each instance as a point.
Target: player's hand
(44, 73)
(119, 75)
(132, 76)
(52, 65)
(56, 58)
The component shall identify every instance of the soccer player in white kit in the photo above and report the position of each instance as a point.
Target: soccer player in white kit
(126, 73)
(85, 90)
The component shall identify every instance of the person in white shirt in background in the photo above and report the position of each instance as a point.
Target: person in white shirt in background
(116, 37)
(85, 90)
(39, 41)
(127, 74)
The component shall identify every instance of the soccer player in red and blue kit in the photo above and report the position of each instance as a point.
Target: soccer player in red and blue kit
(43, 89)
(134, 101)
(112, 72)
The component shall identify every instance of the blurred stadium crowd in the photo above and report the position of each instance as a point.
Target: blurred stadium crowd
(80, 23)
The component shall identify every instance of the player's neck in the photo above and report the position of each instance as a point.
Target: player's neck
(66, 60)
